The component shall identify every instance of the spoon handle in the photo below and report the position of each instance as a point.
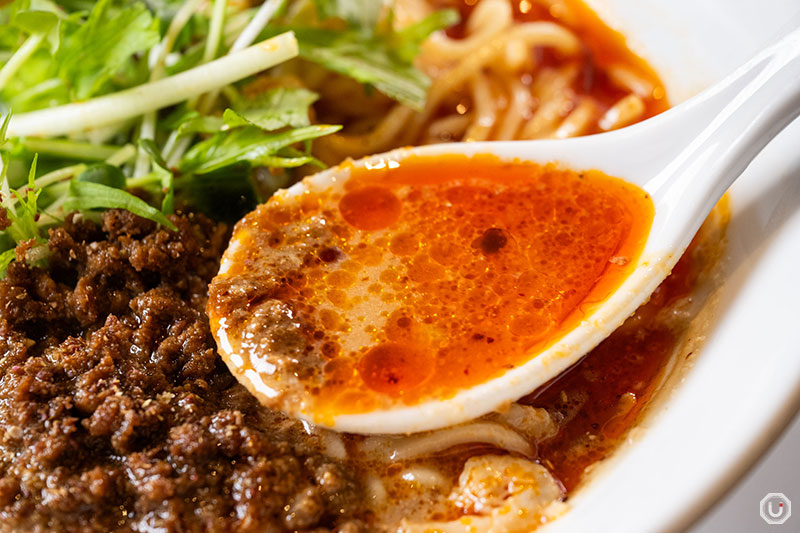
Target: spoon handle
(756, 102)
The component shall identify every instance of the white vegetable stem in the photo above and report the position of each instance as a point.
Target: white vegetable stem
(148, 127)
(122, 156)
(213, 41)
(214, 38)
(62, 174)
(181, 18)
(69, 149)
(147, 130)
(136, 101)
(259, 22)
(176, 149)
(245, 39)
(215, 31)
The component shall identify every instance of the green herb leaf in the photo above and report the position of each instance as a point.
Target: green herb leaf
(164, 173)
(22, 208)
(28, 37)
(165, 9)
(89, 56)
(84, 195)
(225, 194)
(75, 5)
(274, 161)
(274, 109)
(168, 188)
(185, 121)
(4, 128)
(407, 42)
(34, 20)
(383, 59)
(246, 144)
(6, 258)
(360, 13)
(37, 16)
(201, 124)
(370, 62)
(22, 211)
(104, 174)
(152, 150)
(293, 158)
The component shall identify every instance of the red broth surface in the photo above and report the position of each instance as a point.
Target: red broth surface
(421, 279)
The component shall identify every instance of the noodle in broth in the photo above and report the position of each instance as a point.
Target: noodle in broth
(500, 75)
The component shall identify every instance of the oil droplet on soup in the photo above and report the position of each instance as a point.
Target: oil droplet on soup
(411, 283)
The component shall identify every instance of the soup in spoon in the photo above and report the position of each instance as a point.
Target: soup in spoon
(409, 282)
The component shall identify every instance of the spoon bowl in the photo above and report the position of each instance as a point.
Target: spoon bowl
(684, 159)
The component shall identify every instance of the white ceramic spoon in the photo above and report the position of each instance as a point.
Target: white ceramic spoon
(685, 158)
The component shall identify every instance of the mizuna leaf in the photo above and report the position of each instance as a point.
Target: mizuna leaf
(164, 173)
(90, 55)
(359, 13)
(246, 144)
(103, 174)
(6, 258)
(380, 57)
(274, 109)
(84, 195)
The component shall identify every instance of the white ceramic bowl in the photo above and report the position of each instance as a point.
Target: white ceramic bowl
(744, 386)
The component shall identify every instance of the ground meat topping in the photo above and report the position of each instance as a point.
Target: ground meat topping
(117, 414)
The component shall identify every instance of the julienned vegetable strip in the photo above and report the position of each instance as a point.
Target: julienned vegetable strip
(257, 24)
(246, 38)
(215, 31)
(181, 18)
(112, 108)
(213, 40)
(148, 127)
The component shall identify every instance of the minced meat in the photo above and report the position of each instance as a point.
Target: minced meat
(116, 413)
